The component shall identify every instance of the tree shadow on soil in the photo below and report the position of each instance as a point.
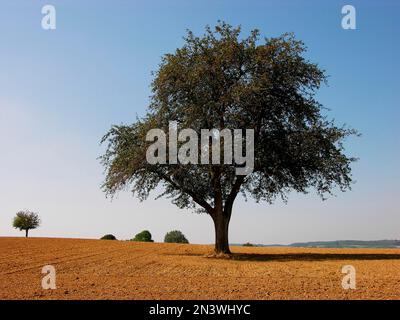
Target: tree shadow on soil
(285, 257)
(313, 256)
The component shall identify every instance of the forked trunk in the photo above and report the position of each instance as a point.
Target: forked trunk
(221, 223)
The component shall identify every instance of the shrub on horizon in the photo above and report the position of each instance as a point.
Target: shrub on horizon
(108, 237)
(248, 244)
(144, 236)
(175, 236)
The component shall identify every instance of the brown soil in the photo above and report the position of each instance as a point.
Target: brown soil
(101, 269)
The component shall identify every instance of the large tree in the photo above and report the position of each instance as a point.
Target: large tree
(223, 81)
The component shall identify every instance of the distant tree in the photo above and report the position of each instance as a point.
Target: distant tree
(222, 80)
(108, 237)
(144, 236)
(26, 220)
(175, 236)
(248, 244)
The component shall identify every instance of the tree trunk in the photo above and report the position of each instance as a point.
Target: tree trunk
(221, 223)
(26, 233)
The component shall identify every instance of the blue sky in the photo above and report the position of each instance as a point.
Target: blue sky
(61, 90)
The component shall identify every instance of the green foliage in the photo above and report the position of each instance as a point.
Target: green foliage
(26, 220)
(144, 236)
(222, 81)
(175, 236)
(108, 237)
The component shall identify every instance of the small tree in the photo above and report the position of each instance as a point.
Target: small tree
(175, 236)
(108, 237)
(144, 236)
(26, 220)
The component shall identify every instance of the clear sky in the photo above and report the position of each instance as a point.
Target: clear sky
(61, 90)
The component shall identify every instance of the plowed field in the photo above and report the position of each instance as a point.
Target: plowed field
(101, 269)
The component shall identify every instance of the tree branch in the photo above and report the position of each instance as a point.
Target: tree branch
(191, 193)
(232, 195)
